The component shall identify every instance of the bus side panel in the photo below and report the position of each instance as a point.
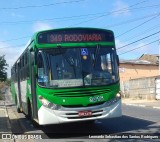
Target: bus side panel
(16, 91)
(13, 91)
(23, 95)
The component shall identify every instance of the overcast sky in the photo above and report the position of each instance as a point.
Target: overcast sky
(130, 20)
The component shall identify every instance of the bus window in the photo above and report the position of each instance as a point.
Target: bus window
(41, 70)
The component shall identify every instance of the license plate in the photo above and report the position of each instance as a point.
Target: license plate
(85, 113)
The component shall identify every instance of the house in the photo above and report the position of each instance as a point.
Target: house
(138, 77)
(132, 69)
(153, 58)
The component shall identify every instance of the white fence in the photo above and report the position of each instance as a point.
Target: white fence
(142, 88)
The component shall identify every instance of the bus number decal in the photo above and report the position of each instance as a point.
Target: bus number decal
(96, 99)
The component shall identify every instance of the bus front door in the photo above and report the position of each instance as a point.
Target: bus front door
(33, 87)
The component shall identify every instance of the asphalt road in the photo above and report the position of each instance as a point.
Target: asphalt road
(135, 120)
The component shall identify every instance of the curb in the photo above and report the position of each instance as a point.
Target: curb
(156, 107)
(7, 116)
(140, 105)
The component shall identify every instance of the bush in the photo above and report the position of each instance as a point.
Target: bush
(8, 82)
(2, 85)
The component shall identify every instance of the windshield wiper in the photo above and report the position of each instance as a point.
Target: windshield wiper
(96, 53)
(69, 60)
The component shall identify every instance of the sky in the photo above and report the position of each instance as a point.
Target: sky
(135, 23)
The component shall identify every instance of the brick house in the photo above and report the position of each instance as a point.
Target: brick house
(153, 58)
(132, 69)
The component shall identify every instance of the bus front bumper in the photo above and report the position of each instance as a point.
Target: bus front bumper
(65, 115)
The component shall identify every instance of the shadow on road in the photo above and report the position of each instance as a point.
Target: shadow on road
(4, 127)
(125, 124)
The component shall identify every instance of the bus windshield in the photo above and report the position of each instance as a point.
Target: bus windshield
(77, 67)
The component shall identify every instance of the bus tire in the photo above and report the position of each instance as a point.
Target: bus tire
(29, 111)
(18, 109)
(30, 117)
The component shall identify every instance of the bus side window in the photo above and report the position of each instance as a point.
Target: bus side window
(27, 63)
(41, 71)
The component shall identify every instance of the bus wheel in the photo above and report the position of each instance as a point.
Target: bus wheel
(30, 116)
(29, 111)
(18, 109)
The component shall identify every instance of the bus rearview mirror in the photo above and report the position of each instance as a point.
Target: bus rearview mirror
(118, 60)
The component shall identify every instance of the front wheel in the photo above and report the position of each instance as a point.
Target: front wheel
(30, 116)
(29, 111)
(18, 109)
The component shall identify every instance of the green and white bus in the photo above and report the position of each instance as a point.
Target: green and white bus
(68, 75)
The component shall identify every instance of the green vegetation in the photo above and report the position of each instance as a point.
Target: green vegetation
(2, 85)
(3, 68)
(3, 75)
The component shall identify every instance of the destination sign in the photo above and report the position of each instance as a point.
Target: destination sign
(66, 36)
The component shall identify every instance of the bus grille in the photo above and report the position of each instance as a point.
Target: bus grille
(81, 93)
(78, 106)
(75, 115)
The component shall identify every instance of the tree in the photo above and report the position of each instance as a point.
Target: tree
(3, 68)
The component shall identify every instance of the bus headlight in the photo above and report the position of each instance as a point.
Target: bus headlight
(48, 104)
(118, 95)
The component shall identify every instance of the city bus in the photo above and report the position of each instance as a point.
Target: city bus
(68, 75)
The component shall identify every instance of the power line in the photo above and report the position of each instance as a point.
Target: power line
(86, 15)
(5, 22)
(139, 47)
(131, 20)
(117, 48)
(15, 38)
(71, 17)
(77, 16)
(141, 33)
(37, 6)
(51, 19)
(109, 13)
(138, 26)
(16, 46)
(138, 40)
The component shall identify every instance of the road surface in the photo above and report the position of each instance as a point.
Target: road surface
(135, 121)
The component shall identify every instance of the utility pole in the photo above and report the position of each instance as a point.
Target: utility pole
(159, 55)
